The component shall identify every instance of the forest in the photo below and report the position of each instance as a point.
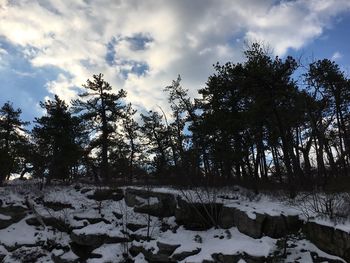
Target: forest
(265, 122)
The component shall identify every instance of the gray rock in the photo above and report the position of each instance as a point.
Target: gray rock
(197, 216)
(182, 255)
(165, 207)
(329, 239)
(95, 240)
(15, 214)
(134, 227)
(264, 224)
(57, 206)
(166, 249)
(107, 194)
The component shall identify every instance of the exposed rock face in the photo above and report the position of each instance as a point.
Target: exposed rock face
(95, 240)
(134, 227)
(197, 216)
(329, 239)
(11, 215)
(182, 255)
(107, 194)
(221, 258)
(141, 200)
(57, 223)
(262, 224)
(57, 206)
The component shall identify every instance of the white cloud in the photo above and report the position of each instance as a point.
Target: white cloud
(336, 55)
(187, 37)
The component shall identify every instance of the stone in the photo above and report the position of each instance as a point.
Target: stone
(134, 227)
(92, 220)
(164, 206)
(197, 216)
(13, 214)
(185, 254)
(57, 206)
(327, 238)
(166, 249)
(54, 222)
(107, 194)
(95, 240)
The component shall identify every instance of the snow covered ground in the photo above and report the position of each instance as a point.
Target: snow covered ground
(71, 216)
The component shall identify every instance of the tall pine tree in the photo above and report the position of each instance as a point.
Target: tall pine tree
(101, 109)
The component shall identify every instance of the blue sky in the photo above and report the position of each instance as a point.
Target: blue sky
(52, 46)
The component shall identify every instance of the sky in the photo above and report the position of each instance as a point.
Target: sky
(52, 47)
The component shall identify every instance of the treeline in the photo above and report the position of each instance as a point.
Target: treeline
(264, 120)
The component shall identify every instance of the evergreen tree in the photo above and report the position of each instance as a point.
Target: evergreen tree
(156, 141)
(58, 139)
(101, 109)
(13, 140)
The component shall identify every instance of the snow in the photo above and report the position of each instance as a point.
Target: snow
(4, 217)
(228, 242)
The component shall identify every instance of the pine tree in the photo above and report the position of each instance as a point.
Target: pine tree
(101, 109)
(13, 140)
(58, 137)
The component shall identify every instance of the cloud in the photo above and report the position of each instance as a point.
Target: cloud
(336, 55)
(142, 45)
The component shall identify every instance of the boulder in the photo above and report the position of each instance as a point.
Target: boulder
(327, 238)
(182, 255)
(197, 216)
(134, 227)
(107, 194)
(10, 215)
(95, 240)
(57, 206)
(166, 249)
(57, 223)
(263, 224)
(152, 203)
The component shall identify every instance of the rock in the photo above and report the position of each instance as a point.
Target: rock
(327, 238)
(197, 216)
(95, 240)
(92, 220)
(54, 222)
(11, 215)
(135, 250)
(107, 194)
(152, 203)
(134, 227)
(68, 257)
(57, 206)
(182, 255)
(279, 226)
(166, 249)
(232, 216)
(221, 258)
(85, 190)
(3, 252)
(263, 224)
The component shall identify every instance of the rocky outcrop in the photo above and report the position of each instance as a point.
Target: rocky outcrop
(152, 203)
(258, 224)
(10, 215)
(327, 238)
(95, 239)
(57, 206)
(197, 216)
(221, 258)
(107, 194)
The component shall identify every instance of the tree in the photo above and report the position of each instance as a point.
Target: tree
(13, 140)
(101, 109)
(131, 130)
(58, 138)
(156, 138)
